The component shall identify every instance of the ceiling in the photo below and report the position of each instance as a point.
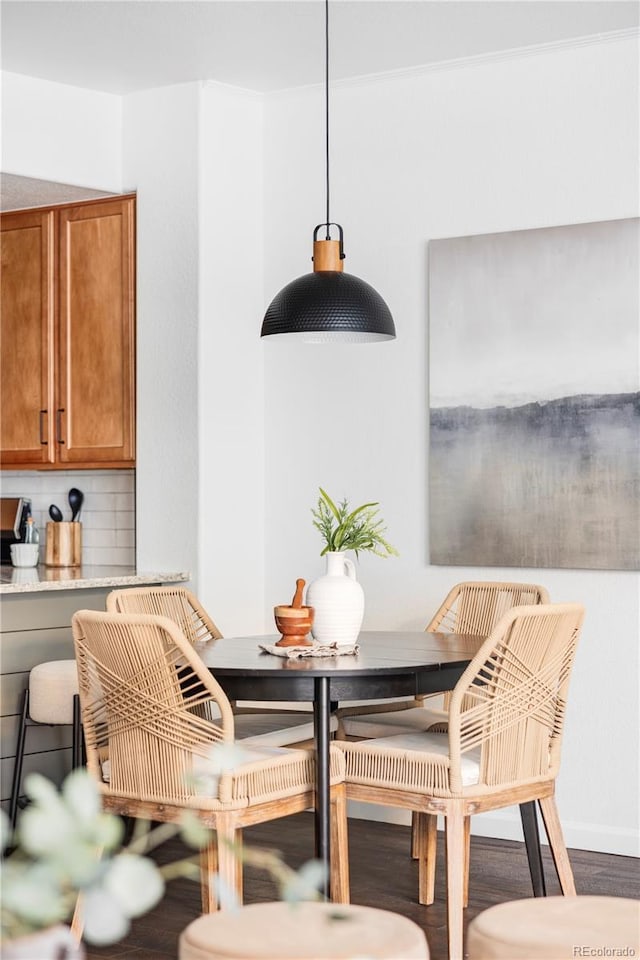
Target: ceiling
(267, 45)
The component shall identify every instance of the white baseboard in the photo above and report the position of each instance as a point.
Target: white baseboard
(600, 838)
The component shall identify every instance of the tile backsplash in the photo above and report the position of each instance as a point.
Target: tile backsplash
(108, 512)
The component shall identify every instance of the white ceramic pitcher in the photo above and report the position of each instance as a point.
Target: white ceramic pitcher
(338, 601)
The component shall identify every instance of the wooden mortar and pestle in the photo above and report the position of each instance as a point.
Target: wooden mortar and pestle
(294, 621)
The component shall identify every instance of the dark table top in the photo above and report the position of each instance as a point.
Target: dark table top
(384, 657)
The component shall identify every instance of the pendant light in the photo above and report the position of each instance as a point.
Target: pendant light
(328, 305)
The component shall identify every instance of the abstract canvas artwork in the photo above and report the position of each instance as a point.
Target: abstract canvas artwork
(534, 391)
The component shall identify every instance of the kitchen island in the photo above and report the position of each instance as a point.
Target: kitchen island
(36, 608)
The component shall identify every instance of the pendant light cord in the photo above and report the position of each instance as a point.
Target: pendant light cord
(326, 105)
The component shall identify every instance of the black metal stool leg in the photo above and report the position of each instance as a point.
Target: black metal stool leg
(532, 843)
(76, 746)
(17, 767)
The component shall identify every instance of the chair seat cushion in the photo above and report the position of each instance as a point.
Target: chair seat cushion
(207, 780)
(262, 773)
(392, 722)
(52, 686)
(286, 735)
(425, 744)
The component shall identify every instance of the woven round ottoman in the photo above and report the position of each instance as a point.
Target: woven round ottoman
(556, 928)
(303, 931)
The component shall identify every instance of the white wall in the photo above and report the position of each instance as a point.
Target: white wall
(231, 421)
(52, 131)
(509, 144)
(160, 161)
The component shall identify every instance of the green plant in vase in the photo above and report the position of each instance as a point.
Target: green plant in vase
(345, 529)
(338, 598)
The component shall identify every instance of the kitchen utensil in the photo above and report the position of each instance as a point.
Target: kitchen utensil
(293, 620)
(55, 513)
(76, 499)
(297, 597)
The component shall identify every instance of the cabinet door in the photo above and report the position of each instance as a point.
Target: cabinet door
(95, 393)
(26, 319)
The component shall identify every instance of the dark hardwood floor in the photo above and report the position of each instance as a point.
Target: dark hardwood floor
(382, 875)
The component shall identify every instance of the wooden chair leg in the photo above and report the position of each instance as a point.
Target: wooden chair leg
(415, 835)
(552, 825)
(427, 837)
(77, 921)
(455, 844)
(208, 868)
(229, 863)
(239, 886)
(467, 859)
(339, 845)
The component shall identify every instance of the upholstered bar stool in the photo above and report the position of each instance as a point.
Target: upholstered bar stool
(303, 931)
(51, 699)
(556, 928)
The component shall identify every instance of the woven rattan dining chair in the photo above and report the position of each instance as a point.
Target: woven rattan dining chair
(149, 749)
(472, 607)
(183, 607)
(502, 747)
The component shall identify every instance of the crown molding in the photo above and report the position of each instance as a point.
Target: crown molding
(515, 53)
(246, 93)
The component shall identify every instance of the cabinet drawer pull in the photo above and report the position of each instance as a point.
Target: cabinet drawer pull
(42, 416)
(59, 413)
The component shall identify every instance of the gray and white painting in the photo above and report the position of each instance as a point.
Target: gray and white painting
(534, 388)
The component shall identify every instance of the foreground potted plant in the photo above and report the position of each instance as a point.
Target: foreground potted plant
(337, 597)
(67, 855)
(66, 846)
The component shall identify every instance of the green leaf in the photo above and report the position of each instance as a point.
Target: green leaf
(81, 795)
(104, 919)
(354, 513)
(329, 502)
(135, 883)
(305, 883)
(343, 529)
(193, 831)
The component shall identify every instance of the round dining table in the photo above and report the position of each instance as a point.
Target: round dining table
(385, 664)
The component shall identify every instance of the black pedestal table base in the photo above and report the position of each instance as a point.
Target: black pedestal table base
(322, 731)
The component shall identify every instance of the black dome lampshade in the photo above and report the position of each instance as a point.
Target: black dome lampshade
(329, 306)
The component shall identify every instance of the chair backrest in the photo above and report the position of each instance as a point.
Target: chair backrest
(510, 702)
(176, 603)
(141, 686)
(476, 606)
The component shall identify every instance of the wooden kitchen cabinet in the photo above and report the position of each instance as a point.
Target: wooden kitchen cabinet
(68, 336)
(27, 337)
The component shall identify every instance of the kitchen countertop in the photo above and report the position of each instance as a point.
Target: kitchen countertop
(14, 580)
